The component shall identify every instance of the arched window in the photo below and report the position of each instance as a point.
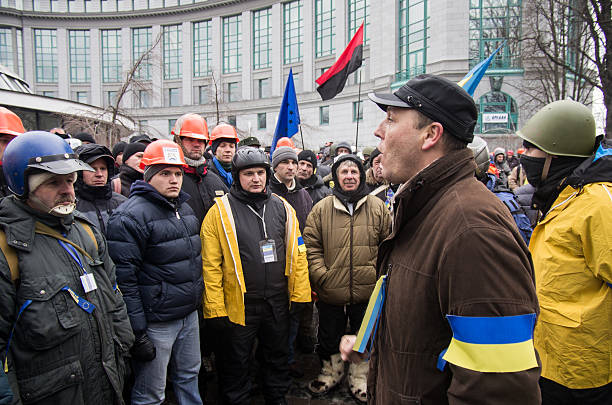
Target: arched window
(497, 113)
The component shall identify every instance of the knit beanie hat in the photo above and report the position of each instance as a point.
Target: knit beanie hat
(373, 155)
(308, 156)
(152, 170)
(215, 144)
(38, 178)
(283, 153)
(118, 148)
(132, 148)
(85, 137)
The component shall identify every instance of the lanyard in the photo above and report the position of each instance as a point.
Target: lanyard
(262, 217)
(73, 253)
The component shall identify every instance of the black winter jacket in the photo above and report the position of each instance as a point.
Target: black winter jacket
(298, 198)
(203, 186)
(315, 188)
(127, 176)
(59, 353)
(97, 203)
(4, 191)
(156, 246)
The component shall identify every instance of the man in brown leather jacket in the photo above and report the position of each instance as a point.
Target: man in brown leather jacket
(460, 305)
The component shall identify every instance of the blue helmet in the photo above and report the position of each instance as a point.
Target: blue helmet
(37, 150)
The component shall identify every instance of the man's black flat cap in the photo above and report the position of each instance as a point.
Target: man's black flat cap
(437, 98)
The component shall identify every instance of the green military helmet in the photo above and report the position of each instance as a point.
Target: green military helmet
(250, 141)
(481, 154)
(563, 128)
(367, 151)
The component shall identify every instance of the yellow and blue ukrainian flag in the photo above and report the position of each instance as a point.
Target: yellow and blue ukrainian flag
(474, 76)
(497, 344)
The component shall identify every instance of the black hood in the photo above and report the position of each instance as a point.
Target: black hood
(353, 196)
(597, 168)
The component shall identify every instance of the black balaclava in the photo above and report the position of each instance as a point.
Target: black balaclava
(257, 200)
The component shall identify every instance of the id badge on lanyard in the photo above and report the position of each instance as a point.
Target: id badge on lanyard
(267, 247)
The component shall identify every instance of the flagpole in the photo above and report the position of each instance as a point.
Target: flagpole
(358, 105)
(301, 135)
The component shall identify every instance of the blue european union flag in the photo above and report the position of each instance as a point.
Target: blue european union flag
(289, 115)
(474, 76)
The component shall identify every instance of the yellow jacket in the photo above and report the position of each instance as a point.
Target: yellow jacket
(572, 257)
(224, 286)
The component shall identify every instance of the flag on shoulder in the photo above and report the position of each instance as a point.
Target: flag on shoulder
(333, 80)
(289, 116)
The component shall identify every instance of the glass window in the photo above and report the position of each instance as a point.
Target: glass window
(263, 88)
(324, 115)
(231, 119)
(172, 51)
(261, 121)
(358, 11)
(202, 52)
(110, 97)
(45, 55)
(144, 99)
(293, 26)
(357, 110)
(171, 125)
(491, 23)
(497, 113)
(202, 95)
(111, 56)
(81, 97)
(173, 97)
(413, 21)
(324, 27)
(47, 93)
(78, 41)
(142, 124)
(233, 91)
(262, 38)
(297, 81)
(141, 43)
(232, 42)
(6, 48)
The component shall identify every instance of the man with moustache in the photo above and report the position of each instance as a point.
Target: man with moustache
(460, 304)
(309, 178)
(154, 241)
(255, 272)
(63, 321)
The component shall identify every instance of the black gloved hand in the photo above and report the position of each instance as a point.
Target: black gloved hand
(143, 349)
(219, 323)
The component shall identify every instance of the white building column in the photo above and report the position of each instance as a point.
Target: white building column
(95, 59)
(247, 55)
(63, 64)
(277, 87)
(383, 33)
(126, 61)
(309, 49)
(157, 69)
(29, 66)
(187, 65)
(217, 51)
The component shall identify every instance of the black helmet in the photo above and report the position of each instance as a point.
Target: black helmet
(248, 156)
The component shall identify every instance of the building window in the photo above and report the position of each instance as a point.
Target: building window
(293, 26)
(144, 99)
(262, 38)
(324, 115)
(413, 20)
(172, 51)
(171, 125)
(261, 121)
(233, 92)
(141, 44)
(81, 97)
(202, 52)
(142, 124)
(231, 119)
(78, 41)
(232, 42)
(492, 23)
(6, 48)
(358, 11)
(497, 113)
(297, 81)
(324, 27)
(111, 97)
(201, 95)
(263, 88)
(111, 56)
(47, 93)
(357, 111)
(172, 97)
(45, 55)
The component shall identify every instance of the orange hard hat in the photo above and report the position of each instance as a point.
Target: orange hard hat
(225, 131)
(192, 126)
(10, 123)
(284, 141)
(520, 151)
(163, 152)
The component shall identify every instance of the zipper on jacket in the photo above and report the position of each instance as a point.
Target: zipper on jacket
(351, 263)
(177, 214)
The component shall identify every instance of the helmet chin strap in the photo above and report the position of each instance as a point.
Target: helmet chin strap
(58, 211)
(546, 168)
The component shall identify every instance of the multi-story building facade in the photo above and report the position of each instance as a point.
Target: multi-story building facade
(229, 59)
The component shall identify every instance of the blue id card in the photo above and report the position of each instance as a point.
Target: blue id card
(267, 247)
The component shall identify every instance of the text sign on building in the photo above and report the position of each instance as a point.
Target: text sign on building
(494, 118)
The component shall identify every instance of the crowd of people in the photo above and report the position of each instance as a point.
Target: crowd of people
(156, 262)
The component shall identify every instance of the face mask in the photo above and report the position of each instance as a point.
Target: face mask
(533, 169)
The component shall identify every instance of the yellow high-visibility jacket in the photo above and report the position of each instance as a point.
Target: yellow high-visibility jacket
(572, 257)
(224, 285)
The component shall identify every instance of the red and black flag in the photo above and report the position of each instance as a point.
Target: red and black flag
(333, 80)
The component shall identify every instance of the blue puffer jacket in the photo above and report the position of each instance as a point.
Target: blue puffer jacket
(156, 246)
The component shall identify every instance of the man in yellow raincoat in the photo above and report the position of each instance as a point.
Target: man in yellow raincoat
(255, 273)
(572, 252)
